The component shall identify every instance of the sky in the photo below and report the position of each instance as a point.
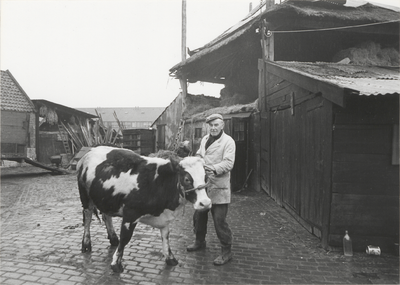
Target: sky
(109, 53)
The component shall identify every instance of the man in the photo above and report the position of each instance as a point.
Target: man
(218, 151)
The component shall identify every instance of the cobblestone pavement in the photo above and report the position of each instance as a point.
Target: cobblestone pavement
(41, 233)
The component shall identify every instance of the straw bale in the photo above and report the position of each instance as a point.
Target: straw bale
(48, 114)
(43, 111)
(51, 116)
(230, 96)
(199, 103)
(369, 53)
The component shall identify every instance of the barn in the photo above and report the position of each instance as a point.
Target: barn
(326, 76)
(18, 129)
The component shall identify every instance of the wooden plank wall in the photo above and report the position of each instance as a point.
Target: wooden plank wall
(170, 118)
(139, 140)
(14, 127)
(300, 138)
(365, 194)
(254, 152)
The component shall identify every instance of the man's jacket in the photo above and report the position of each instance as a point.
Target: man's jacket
(220, 155)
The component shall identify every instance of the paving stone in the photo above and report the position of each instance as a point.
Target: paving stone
(42, 233)
(12, 282)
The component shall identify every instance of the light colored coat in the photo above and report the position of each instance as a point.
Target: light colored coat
(220, 155)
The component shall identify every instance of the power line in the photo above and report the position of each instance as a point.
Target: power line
(336, 28)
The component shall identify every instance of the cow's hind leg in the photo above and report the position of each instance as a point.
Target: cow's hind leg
(125, 236)
(87, 212)
(169, 257)
(87, 219)
(112, 236)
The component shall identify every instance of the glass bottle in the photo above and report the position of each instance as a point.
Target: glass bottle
(347, 245)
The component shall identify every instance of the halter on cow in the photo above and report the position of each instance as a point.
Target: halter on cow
(119, 182)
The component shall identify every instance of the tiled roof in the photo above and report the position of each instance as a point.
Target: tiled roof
(12, 96)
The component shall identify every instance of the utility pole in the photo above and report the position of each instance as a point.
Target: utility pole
(183, 30)
(183, 50)
(182, 80)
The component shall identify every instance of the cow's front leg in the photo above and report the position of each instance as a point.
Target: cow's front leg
(125, 236)
(169, 257)
(112, 236)
(87, 219)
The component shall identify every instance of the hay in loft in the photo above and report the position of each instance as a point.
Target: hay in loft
(199, 103)
(48, 114)
(225, 110)
(369, 53)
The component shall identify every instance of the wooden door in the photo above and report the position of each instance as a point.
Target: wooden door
(160, 137)
(240, 168)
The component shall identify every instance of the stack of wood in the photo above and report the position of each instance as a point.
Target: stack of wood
(84, 133)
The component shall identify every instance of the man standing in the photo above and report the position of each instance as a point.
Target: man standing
(218, 151)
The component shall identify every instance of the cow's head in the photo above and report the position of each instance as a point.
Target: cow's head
(192, 178)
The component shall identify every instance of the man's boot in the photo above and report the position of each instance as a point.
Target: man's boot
(197, 245)
(225, 257)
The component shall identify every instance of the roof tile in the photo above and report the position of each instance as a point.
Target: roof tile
(12, 97)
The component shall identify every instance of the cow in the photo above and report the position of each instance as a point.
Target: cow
(150, 190)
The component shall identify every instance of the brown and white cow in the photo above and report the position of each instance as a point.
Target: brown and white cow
(119, 182)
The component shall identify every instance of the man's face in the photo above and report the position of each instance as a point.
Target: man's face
(216, 126)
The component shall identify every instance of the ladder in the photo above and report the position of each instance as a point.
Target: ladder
(64, 138)
(178, 137)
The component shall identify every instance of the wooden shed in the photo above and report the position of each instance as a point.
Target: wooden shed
(18, 129)
(141, 141)
(62, 130)
(330, 149)
(327, 78)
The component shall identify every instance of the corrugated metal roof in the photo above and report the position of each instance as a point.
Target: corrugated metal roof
(364, 80)
(12, 96)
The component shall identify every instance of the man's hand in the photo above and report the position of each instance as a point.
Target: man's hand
(209, 170)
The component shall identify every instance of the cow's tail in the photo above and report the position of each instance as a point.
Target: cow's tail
(97, 214)
(83, 194)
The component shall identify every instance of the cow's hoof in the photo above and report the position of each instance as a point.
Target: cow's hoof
(86, 248)
(117, 268)
(171, 262)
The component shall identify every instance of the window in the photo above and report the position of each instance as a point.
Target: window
(197, 133)
(238, 131)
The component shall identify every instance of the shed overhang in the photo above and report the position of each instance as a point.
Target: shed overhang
(62, 109)
(335, 81)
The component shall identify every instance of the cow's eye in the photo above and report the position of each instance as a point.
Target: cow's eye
(187, 180)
